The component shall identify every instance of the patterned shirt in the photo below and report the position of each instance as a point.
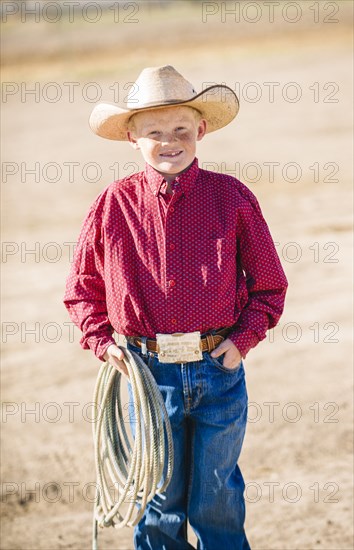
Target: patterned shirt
(198, 259)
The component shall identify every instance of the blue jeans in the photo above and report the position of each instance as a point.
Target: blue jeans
(207, 407)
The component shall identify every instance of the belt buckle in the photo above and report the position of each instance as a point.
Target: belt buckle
(179, 347)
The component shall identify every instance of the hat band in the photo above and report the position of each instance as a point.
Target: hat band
(158, 104)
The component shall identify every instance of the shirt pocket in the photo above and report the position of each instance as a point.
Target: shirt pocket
(216, 262)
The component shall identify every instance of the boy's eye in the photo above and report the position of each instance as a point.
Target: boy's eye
(154, 133)
(180, 128)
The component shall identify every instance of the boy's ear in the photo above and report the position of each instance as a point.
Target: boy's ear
(132, 140)
(202, 125)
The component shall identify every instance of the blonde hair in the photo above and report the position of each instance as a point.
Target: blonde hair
(197, 117)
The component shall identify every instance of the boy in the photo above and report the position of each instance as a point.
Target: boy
(177, 249)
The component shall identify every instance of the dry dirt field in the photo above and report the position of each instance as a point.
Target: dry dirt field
(291, 144)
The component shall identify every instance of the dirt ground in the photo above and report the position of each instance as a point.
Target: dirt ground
(291, 144)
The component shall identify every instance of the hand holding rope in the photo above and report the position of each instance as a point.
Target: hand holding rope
(136, 473)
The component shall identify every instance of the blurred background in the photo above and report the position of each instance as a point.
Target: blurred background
(290, 63)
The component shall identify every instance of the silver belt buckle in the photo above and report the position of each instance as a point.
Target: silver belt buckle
(179, 347)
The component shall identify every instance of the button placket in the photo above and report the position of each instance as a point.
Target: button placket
(173, 305)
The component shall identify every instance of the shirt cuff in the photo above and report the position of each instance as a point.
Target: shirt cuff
(99, 346)
(244, 340)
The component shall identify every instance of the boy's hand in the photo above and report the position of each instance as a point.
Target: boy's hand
(114, 355)
(232, 355)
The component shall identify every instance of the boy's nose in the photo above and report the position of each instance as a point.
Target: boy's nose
(167, 137)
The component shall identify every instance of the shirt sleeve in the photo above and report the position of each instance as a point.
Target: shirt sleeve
(265, 278)
(85, 294)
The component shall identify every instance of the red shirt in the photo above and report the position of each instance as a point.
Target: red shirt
(199, 259)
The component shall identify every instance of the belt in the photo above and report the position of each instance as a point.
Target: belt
(208, 342)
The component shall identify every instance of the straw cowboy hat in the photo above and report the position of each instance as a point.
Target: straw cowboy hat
(161, 87)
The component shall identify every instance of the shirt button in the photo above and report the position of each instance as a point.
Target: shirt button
(172, 246)
(173, 321)
(172, 282)
(172, 209)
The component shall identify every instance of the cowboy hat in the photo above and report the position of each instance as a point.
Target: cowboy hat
(162, 87)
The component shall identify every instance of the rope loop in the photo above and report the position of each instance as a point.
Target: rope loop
(136, 472)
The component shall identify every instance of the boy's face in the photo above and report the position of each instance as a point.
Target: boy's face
(167, 138)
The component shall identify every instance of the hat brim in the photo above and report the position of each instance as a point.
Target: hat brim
(218, 105)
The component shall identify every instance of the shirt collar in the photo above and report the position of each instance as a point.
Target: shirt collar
(186, 180)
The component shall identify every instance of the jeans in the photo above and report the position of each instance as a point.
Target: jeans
(207, 407)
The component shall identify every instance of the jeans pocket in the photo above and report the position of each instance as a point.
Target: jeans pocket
(218, 363)
(148, 359)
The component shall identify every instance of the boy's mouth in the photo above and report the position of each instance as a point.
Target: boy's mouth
(171, 154)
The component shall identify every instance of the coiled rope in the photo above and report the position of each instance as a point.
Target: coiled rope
(135, 473)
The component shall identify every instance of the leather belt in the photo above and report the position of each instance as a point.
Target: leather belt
(208, 342)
